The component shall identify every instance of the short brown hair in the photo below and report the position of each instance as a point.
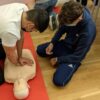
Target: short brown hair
(39, 17)
(70, 11)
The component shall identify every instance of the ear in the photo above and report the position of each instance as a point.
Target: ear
(30, 24)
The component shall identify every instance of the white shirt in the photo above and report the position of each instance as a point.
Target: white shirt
(10, 23)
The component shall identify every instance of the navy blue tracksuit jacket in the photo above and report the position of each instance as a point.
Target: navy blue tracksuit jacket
(78, 38)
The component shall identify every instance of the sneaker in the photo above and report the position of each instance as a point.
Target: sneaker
(53, 21)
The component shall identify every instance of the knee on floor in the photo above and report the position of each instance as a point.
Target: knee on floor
(40, 51)
(59, 82)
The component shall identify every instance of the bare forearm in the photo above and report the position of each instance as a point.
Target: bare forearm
(11, 54)
(19, 48)
(13, 58)
(20, 45)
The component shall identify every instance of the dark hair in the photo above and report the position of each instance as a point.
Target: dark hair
(39, 17)
(70, 11)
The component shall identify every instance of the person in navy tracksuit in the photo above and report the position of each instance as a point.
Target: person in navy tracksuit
(67, 53)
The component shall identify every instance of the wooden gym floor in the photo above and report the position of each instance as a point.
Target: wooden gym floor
(85, 84)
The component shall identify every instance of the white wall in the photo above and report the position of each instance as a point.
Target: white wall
(9, 1)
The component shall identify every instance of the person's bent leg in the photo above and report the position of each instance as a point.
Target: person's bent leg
(51, 4)
(2, 58)
(64, 73)
(41, 50)
(1, 76)
(2, 52)
(83, 2)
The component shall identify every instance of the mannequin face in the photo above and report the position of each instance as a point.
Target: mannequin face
(21, 89)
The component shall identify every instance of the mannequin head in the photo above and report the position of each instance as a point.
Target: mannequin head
(21, 89)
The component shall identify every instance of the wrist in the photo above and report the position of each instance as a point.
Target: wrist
(19, 58)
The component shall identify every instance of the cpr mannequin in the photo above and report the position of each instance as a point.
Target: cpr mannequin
(19, 75)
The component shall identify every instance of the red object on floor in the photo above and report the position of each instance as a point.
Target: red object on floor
(37, 86)
(56, 9)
